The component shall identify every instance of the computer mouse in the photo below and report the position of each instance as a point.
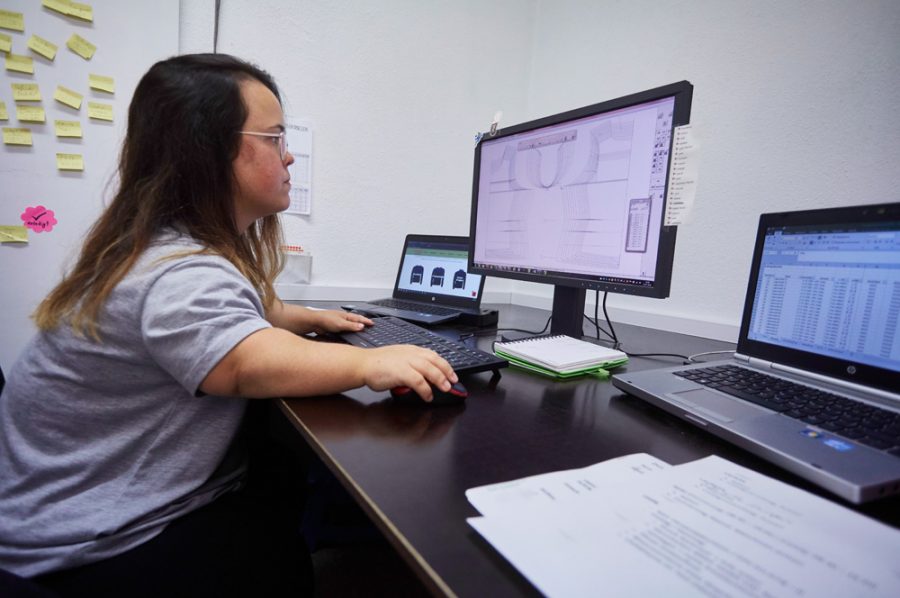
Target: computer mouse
(456, 395)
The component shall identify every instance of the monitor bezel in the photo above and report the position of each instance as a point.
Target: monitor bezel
(848, 371)
(682, 93)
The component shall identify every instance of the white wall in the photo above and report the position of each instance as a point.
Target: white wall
(797, 104)
(396, 91)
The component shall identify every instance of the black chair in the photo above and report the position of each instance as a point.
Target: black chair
(13, 586)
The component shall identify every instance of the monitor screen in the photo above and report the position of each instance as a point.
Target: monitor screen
(577, 199)
(437, 266)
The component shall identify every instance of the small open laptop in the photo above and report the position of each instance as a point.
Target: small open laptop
(433, 283)
(814, 386)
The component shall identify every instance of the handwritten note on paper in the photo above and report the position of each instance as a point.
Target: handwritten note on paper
(43, 47)
(682, 176)
(4, 115)
(12, 20)
(81, 11)
(26, 92)
(101, 83)
(68, 97)
(10, 233)
(15, 136)
(60, 6)
(70, 162)
(30, 114)
(100, 111)
(19, 63)
(67, 128)
(85, 12)
(81, 46)
(5, 43)
(39, 219)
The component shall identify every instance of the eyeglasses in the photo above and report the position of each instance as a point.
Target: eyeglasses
(281, 140)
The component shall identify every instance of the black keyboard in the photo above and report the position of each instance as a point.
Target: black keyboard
(394, 331)
(866, 424)
(417, 307)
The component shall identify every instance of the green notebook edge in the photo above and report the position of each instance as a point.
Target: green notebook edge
(600, 371)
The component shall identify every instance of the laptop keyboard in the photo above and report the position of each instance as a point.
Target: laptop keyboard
(418, 307)
(394, 331)
(866, 424)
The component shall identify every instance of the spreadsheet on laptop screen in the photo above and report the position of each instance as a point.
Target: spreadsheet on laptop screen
(833, 291)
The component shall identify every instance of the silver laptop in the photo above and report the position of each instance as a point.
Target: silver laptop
(433, 282)
(814, 386)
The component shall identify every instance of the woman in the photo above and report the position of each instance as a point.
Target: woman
(117, 464)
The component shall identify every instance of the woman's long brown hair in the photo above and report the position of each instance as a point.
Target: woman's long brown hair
(175, 170)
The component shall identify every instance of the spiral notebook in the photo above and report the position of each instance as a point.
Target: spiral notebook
(560, 356)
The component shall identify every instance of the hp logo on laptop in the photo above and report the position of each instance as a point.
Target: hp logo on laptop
(851, 369)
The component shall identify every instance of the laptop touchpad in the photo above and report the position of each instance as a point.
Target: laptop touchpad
(715, 406)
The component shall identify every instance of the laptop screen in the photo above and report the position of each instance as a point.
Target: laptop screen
(831, 290)
(435, 268)
(828, 288)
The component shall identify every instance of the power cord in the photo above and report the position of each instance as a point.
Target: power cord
(693, 358)
(499, 330)
(596, 320)
(611, 333)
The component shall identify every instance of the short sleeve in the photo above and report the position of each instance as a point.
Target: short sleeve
(195, 312)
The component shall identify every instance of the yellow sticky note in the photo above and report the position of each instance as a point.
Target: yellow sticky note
(4, 115)
(69, 161)
(81, 46)
(31, 114)
(101, 83)
(100, 111)
(16, 136)
(26, 92)
(68, 97)
(85, 12)
(5, 43)
(23, 64)
(67, 128)
(43, 47)
(13, 234)
(60, 6)
(12, 20)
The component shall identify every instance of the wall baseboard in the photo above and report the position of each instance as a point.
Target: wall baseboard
(684, 324)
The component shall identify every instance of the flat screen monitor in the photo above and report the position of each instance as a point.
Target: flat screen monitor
(577, 200)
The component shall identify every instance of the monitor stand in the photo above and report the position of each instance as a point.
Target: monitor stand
(568, 311)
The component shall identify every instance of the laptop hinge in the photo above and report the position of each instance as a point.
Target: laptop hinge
(760, 363)
(741, 357)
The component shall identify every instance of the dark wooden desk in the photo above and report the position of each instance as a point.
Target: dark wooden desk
(409, 467)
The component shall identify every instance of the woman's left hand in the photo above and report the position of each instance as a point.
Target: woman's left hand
(332, 320)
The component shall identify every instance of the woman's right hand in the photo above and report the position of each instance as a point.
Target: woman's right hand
(406, 365)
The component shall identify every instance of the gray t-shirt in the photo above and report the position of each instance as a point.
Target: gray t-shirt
(102, 444)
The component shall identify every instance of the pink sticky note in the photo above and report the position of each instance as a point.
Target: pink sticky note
(39, 219)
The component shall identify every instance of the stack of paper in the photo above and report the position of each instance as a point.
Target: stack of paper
(635, 526)
(560, 356)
